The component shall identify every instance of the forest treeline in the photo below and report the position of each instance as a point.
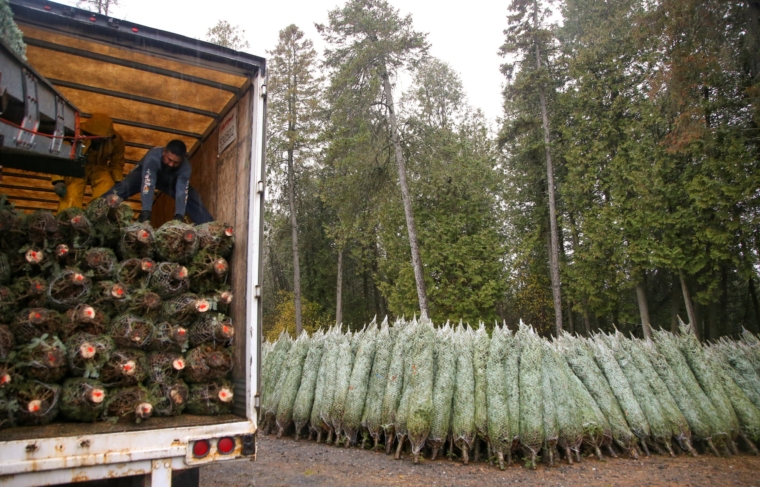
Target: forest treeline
(388, 201)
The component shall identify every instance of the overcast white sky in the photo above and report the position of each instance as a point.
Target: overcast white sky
(466, 36)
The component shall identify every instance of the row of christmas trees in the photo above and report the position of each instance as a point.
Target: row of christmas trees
(91, 326)
(515, 392)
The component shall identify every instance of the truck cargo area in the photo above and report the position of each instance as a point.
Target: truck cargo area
(156, 86)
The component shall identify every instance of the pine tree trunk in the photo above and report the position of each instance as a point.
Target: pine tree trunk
(689, 305)
(554, 256)
(339, 294)
(753, 293)
(410, 225)
(641, 295)
(294, 235)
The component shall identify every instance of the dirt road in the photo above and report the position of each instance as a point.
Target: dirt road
(286, 462)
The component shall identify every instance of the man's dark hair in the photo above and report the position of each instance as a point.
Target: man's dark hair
(177, 147)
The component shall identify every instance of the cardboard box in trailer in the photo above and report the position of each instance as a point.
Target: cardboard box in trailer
(156, 86)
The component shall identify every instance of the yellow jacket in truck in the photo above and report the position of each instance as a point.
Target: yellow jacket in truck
(104, 166)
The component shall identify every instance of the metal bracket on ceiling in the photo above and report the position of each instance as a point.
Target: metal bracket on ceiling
(57, 141)
(31, 121)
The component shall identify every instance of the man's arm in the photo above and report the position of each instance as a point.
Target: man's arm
(151, 164)
(180, 191)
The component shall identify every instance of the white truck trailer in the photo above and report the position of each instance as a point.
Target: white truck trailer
(157, 86)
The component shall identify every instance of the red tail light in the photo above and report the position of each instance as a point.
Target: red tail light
(201, 448)
(226, 445)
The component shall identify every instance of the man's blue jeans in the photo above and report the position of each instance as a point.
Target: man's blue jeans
(132, 183)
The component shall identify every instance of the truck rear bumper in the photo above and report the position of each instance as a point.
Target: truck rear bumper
(53, 460)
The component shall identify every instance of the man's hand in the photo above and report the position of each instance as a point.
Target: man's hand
(179, 218)
(144, 216)
(59, 188)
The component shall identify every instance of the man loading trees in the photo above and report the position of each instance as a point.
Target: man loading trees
(168, 170)
(104, 167)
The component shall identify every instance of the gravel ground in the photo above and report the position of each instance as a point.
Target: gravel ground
(286, 462)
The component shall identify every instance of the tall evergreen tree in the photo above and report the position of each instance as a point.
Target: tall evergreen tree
(369, 39)
(528, 38)
(293, 124)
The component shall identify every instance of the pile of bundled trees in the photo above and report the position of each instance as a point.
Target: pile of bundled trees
(103, 318)
(457, 387)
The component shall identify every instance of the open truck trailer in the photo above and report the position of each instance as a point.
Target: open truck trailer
(156, 86)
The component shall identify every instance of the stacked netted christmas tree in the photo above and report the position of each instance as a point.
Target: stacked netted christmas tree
(103, 318)
(457, 390)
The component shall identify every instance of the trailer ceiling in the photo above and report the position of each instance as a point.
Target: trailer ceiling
(155, 85)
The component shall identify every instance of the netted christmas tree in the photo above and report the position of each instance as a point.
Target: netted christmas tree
(421, 388)
(111, 297)
(128, 330)
(83, 318)
(134, 403)
(68, 288)
(708, 380)
(170, 279)
(531, 394)
(372, 415)
(135, 273)
(463, 411)
(480, 347)
(291, 384)
(108, 216)
(272, 371)
(210, 398)
(497, 405)
(171, 397)
(395, 383)
(42, 229)
(125, 367)
(82, 399)
(184, 308)
(670, 410)
(324, 388)
(620, 387)
(569, 418)
(719, 428)
(144, 303)
(216, 238)
(99, 263)
(86, 354)
(660, 429)
(700, 424)
(343, 365)
(169, 338)
(43, 358)
(25, 292)
(359, 383)
(75, 228)
(306, 390)
(35, 403)
(34, 322)
(737, 357)
(207, 272)
(165, 367)
(581, 361)
(747, 413)
(176, 242)
(551, 426)
(207, 363)
(137, 241)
